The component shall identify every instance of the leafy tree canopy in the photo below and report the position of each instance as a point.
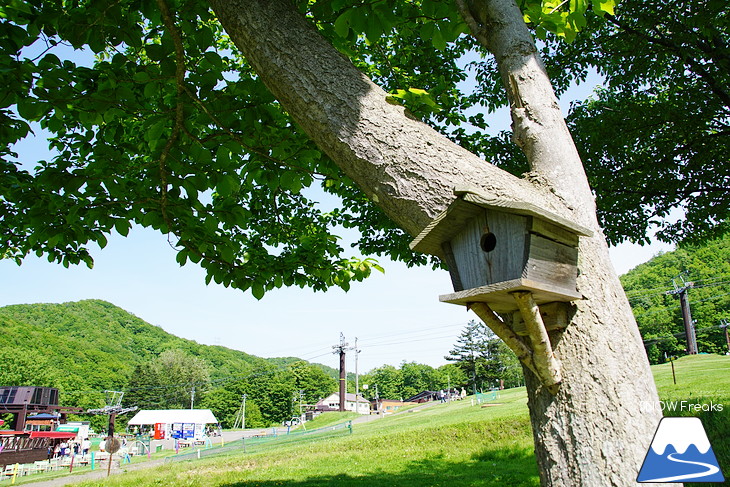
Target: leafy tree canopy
(170, 128)
(409, 379)
(169, 381)
(657, 136)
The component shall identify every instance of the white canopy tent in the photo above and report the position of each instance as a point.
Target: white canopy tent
(176, 423)
(169, 416)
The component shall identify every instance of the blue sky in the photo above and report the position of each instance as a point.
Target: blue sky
(396, 316)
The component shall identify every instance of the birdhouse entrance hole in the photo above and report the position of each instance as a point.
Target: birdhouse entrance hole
(488, 242)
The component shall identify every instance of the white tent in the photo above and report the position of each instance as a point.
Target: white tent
(170, 416)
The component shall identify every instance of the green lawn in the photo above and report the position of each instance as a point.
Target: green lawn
(702, 381)
(457, 444)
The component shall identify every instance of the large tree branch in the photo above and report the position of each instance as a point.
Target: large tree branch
(538, 124)
(407, 168)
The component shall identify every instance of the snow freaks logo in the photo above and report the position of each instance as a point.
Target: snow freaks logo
(680, 452)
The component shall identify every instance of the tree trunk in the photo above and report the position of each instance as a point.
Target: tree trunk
(593, 432)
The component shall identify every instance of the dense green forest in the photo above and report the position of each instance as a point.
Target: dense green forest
(705, 270)
(87, 347)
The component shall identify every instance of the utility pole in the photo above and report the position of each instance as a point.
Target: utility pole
(112, 409)
(689, 330)
(725, 324)
(192, 397)
(377, 399)
(341, 349)
(241, 415)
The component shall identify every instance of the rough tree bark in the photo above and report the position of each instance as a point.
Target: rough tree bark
(593, 432)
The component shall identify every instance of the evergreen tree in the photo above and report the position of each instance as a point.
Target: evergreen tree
(484, 358)
(470, 352)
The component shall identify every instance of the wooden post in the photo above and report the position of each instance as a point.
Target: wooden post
(548, 367)
(510, 338)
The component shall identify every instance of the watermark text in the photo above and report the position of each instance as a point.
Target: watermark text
(680, 406)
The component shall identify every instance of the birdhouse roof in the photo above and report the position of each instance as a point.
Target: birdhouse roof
(470, 203)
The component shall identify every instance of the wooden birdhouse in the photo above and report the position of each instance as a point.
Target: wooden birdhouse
(510, 258)
(495, 248)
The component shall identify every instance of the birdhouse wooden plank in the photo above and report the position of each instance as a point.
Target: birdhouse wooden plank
(495, 247)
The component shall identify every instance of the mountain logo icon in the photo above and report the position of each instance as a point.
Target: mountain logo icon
(680, 452)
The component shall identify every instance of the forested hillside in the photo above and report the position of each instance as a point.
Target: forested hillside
(705, 270)
(87, 347)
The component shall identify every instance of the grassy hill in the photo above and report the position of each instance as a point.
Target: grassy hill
(95, 345)
(444, 444)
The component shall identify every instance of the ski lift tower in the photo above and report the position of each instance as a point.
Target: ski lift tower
(112, 409)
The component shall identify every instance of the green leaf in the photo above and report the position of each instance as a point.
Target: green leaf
(214, 59)
(204, 38)
(101, 240)
(31, 109)
(227, 185)
(438, 40)
(290, 181)
(156, 52)
(607, 6)
(141, 77)
(374, 28)
(155, 132)
(122, 227)
(227, 254)
(342, 24)
(258, 291)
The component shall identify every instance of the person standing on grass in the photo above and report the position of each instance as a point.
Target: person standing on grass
(85, 446)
